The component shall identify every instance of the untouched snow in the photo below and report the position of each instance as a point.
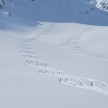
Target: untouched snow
(53, 54)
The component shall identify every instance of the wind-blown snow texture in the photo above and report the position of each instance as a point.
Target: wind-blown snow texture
(53, 54)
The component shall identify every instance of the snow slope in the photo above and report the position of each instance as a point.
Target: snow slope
(34, 66)
(80, 11)
(56, 58)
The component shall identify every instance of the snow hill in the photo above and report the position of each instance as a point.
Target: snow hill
(30, 11)
(53, 54)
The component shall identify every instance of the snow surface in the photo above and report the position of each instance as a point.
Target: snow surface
(53, 54)
(102, 4)
(80, 11)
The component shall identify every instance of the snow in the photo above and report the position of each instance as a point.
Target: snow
(56, 11)
(56, 58)
(102, 4)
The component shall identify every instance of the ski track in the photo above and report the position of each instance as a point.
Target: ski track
(75, 41)
(30, 58)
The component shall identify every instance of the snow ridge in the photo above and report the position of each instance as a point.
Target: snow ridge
(102, 4)
(79, 11)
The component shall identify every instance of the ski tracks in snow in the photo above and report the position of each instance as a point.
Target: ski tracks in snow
(30, 58)
(74, 43)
